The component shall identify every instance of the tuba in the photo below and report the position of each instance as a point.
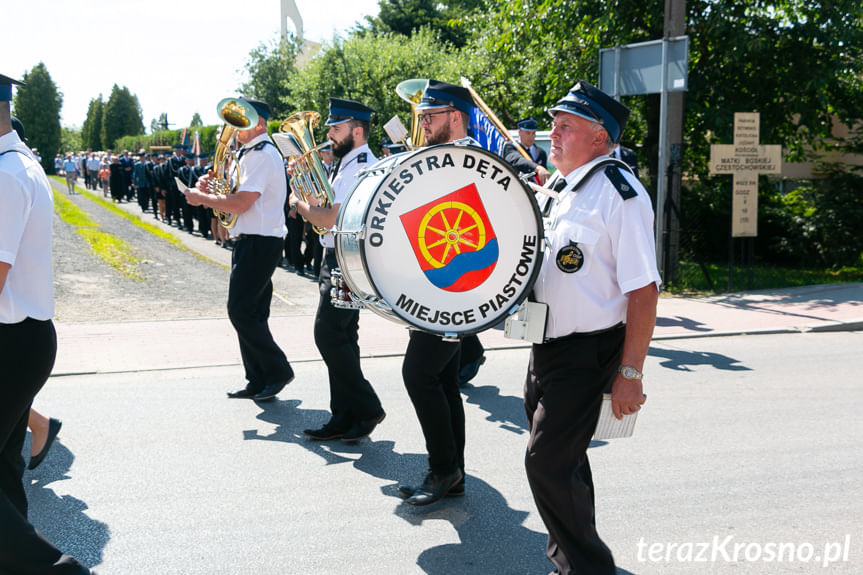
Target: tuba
(296, 141)
(411, 91)
(238, 115)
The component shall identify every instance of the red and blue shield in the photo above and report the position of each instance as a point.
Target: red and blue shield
(453, 240)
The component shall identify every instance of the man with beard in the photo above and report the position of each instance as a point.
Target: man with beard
(259, 233)
(431, 365)
(356, 409)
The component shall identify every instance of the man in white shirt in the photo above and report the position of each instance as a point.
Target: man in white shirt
(28, 342)
(259, 234)
(356, 409)
(601, 284)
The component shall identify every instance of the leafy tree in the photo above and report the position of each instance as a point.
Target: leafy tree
(91, 131)
(269, 68)
(160, 124)
(121, 116)
(367, 68)
(445, 19)
(196, 121)
(70, 140)
(37, 105)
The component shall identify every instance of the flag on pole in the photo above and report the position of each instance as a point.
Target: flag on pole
(196, 149)
(485, 132)
(184, 141)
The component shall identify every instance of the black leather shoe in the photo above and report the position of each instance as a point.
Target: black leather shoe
(363, 428)
(54, 426)
(434, 488)
(242, 394)
(270, 391)
(456, 490)
(328, 431)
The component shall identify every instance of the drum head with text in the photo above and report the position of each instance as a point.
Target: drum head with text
(452, 239)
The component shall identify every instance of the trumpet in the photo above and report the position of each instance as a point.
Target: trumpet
(238, 115)
(296, 141)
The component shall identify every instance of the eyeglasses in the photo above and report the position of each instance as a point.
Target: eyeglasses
(427, 117)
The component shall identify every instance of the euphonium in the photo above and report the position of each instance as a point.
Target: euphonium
(238, 115)
(296, 141)
(411, 91)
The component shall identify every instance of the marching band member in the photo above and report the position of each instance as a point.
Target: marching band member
(600, 281)
(259, 235)
(431, 365)
(28, 342)
(356, 409)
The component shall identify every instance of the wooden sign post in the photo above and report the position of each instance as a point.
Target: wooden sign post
(745, 159)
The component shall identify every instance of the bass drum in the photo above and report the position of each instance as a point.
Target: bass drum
(445, 239)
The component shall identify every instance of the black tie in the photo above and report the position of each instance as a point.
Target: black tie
(559, 185)
(335, 171)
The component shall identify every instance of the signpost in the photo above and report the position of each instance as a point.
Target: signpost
(745, 159)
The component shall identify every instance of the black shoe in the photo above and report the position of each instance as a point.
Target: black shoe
(456, 490)
(270, 391)
(244, 393)
(363, 428)
(329, 431)
(54, 426)
(469, 371)
(434, 488)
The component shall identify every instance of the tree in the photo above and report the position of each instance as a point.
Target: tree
(91, 131)
(160, 124)
(269, 68)
(446, 20)
(70, 140)
(367, 68)
(37, 105)
(121, 117)
(196, 121)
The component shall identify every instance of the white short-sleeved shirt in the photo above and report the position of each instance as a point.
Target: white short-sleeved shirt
(354, 161)
(615, 237)
(263, 171)
(26, 218)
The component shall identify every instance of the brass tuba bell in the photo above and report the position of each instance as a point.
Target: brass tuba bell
(238, 115)
(411, 91)
(296, 141)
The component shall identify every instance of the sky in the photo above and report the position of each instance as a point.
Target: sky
(177, 56)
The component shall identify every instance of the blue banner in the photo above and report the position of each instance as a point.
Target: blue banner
(484, 132)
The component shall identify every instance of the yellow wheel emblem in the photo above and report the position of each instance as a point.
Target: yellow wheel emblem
(437, 236)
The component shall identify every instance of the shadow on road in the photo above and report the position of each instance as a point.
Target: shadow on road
(62, 519)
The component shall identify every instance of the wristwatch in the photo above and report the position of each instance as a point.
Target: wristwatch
(629, 372)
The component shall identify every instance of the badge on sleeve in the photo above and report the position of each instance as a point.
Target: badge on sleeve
(570, 258)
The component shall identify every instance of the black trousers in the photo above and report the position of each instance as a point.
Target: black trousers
(430, 372)
(352, 398)
(562, 398)
(314, 254)
(295, 241)
(27, 352)
(253, 262)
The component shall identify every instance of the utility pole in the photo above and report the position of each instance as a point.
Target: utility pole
(675, 25)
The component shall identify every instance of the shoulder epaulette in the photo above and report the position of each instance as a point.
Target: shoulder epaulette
(619, 182)
(362, 158)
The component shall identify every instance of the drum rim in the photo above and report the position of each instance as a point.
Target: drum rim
(515, 302)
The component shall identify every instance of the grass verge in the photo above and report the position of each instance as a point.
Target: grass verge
(112, 250)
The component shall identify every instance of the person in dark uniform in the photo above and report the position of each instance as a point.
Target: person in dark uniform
(527, 138)
(141, 180)
(172, 192)
(259, 234)
(116, 181)
(203, 213)
(600, 282)
(28, 342)
(431, 364)
(186, 174)
(356, 409)
(160, 191)
(128, 167)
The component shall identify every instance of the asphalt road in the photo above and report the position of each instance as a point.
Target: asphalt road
(756, 438)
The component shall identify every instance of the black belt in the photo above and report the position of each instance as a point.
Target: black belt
(584, 334)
